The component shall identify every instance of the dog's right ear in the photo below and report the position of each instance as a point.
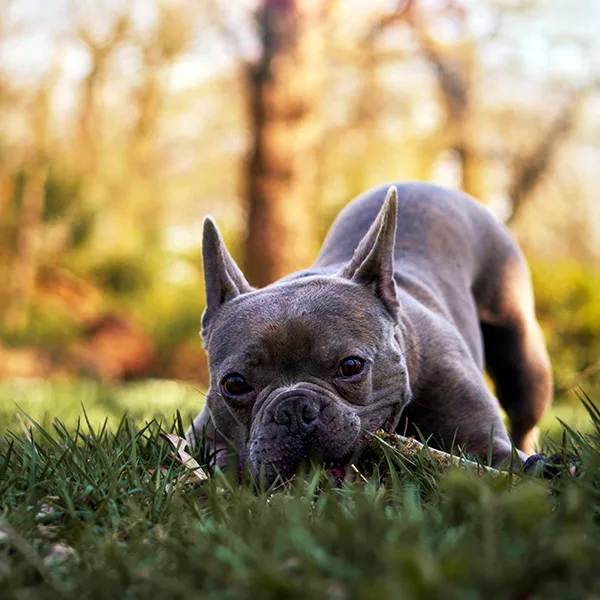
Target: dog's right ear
(223, 279)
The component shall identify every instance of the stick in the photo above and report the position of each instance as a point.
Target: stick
(410, 447)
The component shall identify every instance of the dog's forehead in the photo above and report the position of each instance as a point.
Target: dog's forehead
(312, 315)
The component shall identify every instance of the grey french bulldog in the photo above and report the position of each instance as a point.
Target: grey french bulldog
(416, 290)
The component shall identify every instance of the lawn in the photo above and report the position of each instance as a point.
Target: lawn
(109, 512)
(44, 401)
(65, 400)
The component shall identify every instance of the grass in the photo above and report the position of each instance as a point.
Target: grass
(89, 510)
(48, 400)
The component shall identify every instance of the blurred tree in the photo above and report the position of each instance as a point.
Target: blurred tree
(455, 66)
(154, 122)
(100, 31)
(283, 87)
(283, 92)
(530, 168)
(170, 36)
(9, 159)
(30, 208)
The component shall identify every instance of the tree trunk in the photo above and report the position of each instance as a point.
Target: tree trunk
(88, 118)
(24, 265)
(455, 72)
(472, 172)
(100, 52)
(25, 261)
(147, 201)
(455, 76)
(281, 166)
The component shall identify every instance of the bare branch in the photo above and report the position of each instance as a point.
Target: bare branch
(100, 47)
(387, 20)
(530, 170)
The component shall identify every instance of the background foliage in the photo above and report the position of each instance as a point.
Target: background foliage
(123, 123)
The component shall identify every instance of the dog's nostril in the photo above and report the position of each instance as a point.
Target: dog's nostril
(284, 418)
(309, 413)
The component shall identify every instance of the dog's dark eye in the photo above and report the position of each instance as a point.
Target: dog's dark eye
(235, 385)
(351, 366)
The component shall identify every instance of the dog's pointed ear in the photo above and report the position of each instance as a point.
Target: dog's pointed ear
(223, 279)
(373, 262)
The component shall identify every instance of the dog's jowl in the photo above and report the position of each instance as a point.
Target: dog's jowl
(416, 291)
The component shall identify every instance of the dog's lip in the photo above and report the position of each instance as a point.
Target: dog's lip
(338, 468)
(338, 471)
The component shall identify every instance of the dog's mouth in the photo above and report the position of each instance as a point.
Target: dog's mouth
(340, 468)
(288, 465)
(335, 442)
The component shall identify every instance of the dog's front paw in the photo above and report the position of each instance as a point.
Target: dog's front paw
(551, 466)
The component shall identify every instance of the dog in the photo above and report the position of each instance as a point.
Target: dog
(416, 291)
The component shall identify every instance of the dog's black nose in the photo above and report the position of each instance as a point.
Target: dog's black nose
(298, 414)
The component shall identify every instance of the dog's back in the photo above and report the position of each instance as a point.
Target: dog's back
(450, 250)
(432, 221)
(456, 260)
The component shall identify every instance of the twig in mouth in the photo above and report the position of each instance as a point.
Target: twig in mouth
(283, 483)
(359, 473)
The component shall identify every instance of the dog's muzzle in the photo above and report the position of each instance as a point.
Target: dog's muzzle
(301, 423)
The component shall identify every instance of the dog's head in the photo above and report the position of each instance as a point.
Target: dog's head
(303, 367)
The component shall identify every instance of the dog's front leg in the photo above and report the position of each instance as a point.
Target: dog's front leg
(203, 431)
(456, 408)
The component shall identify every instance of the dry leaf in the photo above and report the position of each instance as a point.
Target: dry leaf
(175, 484)
(179, 444)
(163, 470)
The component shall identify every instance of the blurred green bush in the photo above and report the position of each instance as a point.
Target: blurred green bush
(568, 308)
(567, 304)
(122, 275)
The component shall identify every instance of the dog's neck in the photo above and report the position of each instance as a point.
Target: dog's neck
(408, 339)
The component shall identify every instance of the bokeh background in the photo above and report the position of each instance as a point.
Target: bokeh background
(124, 122)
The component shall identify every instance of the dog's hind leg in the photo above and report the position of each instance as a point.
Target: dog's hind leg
(515, 352)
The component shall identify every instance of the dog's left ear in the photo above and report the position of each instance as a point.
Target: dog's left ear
(222, 277)
(373, 262)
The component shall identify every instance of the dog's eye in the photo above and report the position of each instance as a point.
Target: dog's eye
(351, 366)
(235, 385)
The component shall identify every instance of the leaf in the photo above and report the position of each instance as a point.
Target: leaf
(186, 459)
